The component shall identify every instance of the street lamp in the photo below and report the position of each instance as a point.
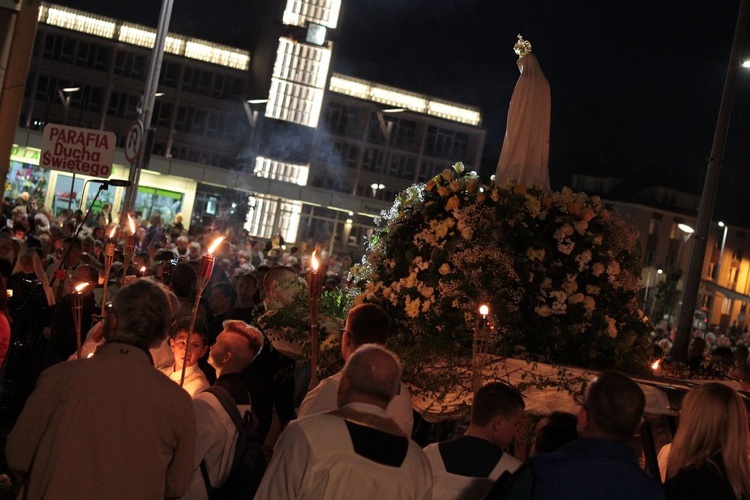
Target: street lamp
(746, 64)
(376, 186)
(66, 94)
(659, 272)
(723, 242)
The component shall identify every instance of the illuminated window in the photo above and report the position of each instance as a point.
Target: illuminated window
(393, 97)
(325, 12)
(294, 103)
(287, 172)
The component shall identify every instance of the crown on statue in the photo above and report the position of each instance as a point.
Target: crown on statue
(522, 47)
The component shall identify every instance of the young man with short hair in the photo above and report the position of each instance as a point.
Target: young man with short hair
(195, 380)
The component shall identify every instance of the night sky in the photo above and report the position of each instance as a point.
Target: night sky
(635, 85)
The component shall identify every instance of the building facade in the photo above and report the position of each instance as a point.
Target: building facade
(269, 132)
(665, 218)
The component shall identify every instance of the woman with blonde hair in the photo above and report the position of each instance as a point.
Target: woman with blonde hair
(709, 455)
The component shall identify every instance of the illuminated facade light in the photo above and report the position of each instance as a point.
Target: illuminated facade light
(281, 171)
(143, 36)
(391, 96)
(262, 220)
(325, 12)
(302, 63)
(73, 20)
(298, 83)
(295, 103)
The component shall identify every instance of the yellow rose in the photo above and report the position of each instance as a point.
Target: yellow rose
(443, 191)
(456, 186)
(453, 202)
(444, 269)
(430, 185)
(576, 298)
(519, 189)
(467, 233)
(481, 197)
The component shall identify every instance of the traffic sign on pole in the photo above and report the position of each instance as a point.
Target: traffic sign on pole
(134, 141)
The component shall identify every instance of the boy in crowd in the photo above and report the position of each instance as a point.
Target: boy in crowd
(195, 380)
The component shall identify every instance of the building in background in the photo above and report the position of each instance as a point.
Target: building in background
(268, 135)
(664, 218)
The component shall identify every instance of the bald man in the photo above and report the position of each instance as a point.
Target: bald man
(356, 451)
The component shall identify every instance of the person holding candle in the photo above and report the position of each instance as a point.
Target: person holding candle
(195, 380)
(62, 333)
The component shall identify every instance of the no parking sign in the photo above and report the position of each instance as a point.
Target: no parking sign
(134, 141)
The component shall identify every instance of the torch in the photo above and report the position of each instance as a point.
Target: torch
(207, 268)
(480, 346)
(314, 290)
(77, 305)
(109, 257)
(129, 249)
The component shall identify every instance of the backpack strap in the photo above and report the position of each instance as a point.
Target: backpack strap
(227, 401)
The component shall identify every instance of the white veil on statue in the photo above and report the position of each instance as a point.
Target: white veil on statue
(525, 153)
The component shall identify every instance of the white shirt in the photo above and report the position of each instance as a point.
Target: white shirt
(314, 458)
(324, 398)
(195, 380)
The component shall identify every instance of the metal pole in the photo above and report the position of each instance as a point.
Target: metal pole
(152, 82)
(721, 252)
(710, 187)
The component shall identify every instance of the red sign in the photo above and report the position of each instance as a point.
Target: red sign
(78, 150)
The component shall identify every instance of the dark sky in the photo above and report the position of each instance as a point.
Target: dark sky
(636, 85)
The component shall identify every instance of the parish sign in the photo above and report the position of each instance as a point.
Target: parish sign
(78, 150)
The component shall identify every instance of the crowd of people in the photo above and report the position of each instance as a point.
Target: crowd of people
(159, 398)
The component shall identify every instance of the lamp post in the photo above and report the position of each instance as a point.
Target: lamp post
(721, 252)
(659, 272)
(386, 128)
(66, 96)
(710, 188)
(146, 111)
(687, 233)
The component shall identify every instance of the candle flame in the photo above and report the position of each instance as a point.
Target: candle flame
(314, 261)
(80, 287)
(215, 244)
(484, 310)
(143, 269)
(112, 233)
(131, 223)
(655, 364)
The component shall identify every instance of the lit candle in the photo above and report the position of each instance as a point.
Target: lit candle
(314, 291)
(207, 268)
(142, 271)
(207, 262)
(480, 346)
(109, 257)
(656, 367)
(129, 248)
(77, 306)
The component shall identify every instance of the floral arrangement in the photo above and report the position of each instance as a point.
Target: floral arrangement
(286, 321)
(557, 270)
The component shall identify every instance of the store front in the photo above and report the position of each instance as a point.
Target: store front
(166, 195)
